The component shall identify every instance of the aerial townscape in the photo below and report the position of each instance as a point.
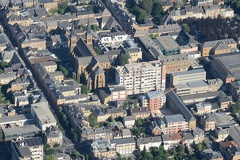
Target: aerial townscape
(119, 79)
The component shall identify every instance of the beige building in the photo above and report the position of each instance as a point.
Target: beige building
(96, 133)
(218, 47)
(103, 148)
(142, 112)
(141, 77)
(7, 78)
(179, 78)
(53, 136)
(176, 63)
(124, 145)
(212, 11)
(50, 66)
(40, 44)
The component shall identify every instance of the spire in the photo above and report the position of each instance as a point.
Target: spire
(88, 27)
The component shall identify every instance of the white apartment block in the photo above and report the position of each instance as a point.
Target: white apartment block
(141, 77)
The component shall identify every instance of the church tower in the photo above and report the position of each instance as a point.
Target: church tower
(89, 37)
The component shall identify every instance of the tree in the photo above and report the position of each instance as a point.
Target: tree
(47, 146)
(56, 145)
(129, 158)
(86, 156)
(74, 154)
(64, 117)
(141, 16)
(49, 151)
(136, 132)
(3, 64)
(94, 27)
(138, 122)
(157, 9)
(84, 89)
(135, 104)
(97, 50)
(75, 137)
(61, 11)
(51, 157)
(185, 28)
(122, 59)
(63, 69)
(60, 109)
(147, 6)
(93, 120)
(1, 135)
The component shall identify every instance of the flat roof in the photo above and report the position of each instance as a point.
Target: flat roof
(43, 113)
(167, 43)
(20, 130)
(16, 118)
(195, 71)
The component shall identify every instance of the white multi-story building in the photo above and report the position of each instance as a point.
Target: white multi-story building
(141, 77)
(27, 149)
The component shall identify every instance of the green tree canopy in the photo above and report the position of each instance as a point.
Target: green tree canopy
(51, 157)
(157, 9)
(63, 69)
(84, 89)
(93, 120)
(147, 5)
(122, 59)
(185, 28)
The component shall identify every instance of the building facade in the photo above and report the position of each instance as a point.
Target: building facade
(141, 77)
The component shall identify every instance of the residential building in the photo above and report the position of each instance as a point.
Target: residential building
(43, 115)
(156, 100)
(176, 105)
(178, 78)
(176, 63)
(212, 11)
(171, 140)
(103, 148)
(218, 47)
(54, 135)
(149, 142)
(28, 148)
(129, 121)
(141, 77)
(230, 150)
(124, 145)
(96, 133)
(140, 112)
(213, 121)
(210, 154)
(113, 94)
(175, 123)
(202, 108)
(6, 78)
(235, 90)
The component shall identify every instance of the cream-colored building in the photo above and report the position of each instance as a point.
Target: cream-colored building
(141, 77)
(53, 136)
(124, 145)
(149, 142)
